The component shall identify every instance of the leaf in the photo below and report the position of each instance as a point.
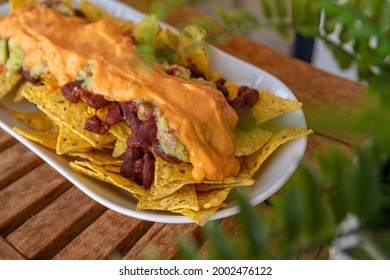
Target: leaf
(256, 235)
(266, 8)
(221, 247)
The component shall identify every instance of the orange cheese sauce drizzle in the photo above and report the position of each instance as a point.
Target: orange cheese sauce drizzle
(199, 113)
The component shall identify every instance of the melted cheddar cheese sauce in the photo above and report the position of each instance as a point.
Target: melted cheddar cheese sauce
(199, 113)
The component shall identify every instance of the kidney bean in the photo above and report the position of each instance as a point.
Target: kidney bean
(95, 125)
(131, 168)
(158, 152)
(26, 74)
(223, 89)
(97, 101)
(148, 170)
(127, 113)
(246, 119)
(79, 13)
(70, 91)
(114, 115)
(134, 153)
(250, 95)
(196, 73)
(144, 135)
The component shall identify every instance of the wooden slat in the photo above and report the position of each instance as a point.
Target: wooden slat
(26, 196)
(55, 226)
(7, 252)
(6, 140)
(111, 235)
(161, 239)
(15, 162)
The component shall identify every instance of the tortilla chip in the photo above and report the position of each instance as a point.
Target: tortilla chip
(119, 149)
(232, 89)
(199, 217)
(47, 138)
(210, 187)
(169, 177)
(70, 142)
(97, 157)
(121, 131)
(248, 142)
(8, 83)
(183, 198)
(61, 110)
(35, 120)
(98, 172)
(23, 85)
(281, 136)
(270, 106)
(113, 168)
(212, 198)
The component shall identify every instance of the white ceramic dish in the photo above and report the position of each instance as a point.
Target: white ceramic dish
(273, 175)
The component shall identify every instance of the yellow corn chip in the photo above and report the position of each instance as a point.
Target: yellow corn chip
(23, 85)
(232, 88)
(199, 217)
(113, 168)
(281, 136)
(61, 110)
(8, 83)
(97, 157)
(169, 177)
(270, 106)
(183, 198)
(121, 131)
(248, 142)
(212, 198)
(47, 138)
(14, 4)
(70, 142)
(98, 172)
(35, 120)
(119, 149)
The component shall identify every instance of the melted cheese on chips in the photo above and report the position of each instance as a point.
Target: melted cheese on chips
(199, 113)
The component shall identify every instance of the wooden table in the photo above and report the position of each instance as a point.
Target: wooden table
(52, 219)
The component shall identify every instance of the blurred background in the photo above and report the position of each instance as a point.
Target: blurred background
(313, 51)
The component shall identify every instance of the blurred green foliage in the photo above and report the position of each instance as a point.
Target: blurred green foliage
(325, 192)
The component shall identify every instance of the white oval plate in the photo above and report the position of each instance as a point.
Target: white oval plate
(274, 172)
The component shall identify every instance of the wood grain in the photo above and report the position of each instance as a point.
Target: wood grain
(6, 140)
(111, 235)
(50, 230)
(161, 239)
(8, 252)
(15, 162)
(29, 194)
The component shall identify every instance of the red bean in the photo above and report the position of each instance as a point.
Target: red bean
(114, 115)
(70, 91)
(196, 73)
(131, 168)
(223, 89)
(250, 95)
(26, 74)
(158, 152)
(127, 112)
(79, 13)
(144, 135)
(97, 101)
(148, 170)
(134, 153)
(95, 125)
(246, 119)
